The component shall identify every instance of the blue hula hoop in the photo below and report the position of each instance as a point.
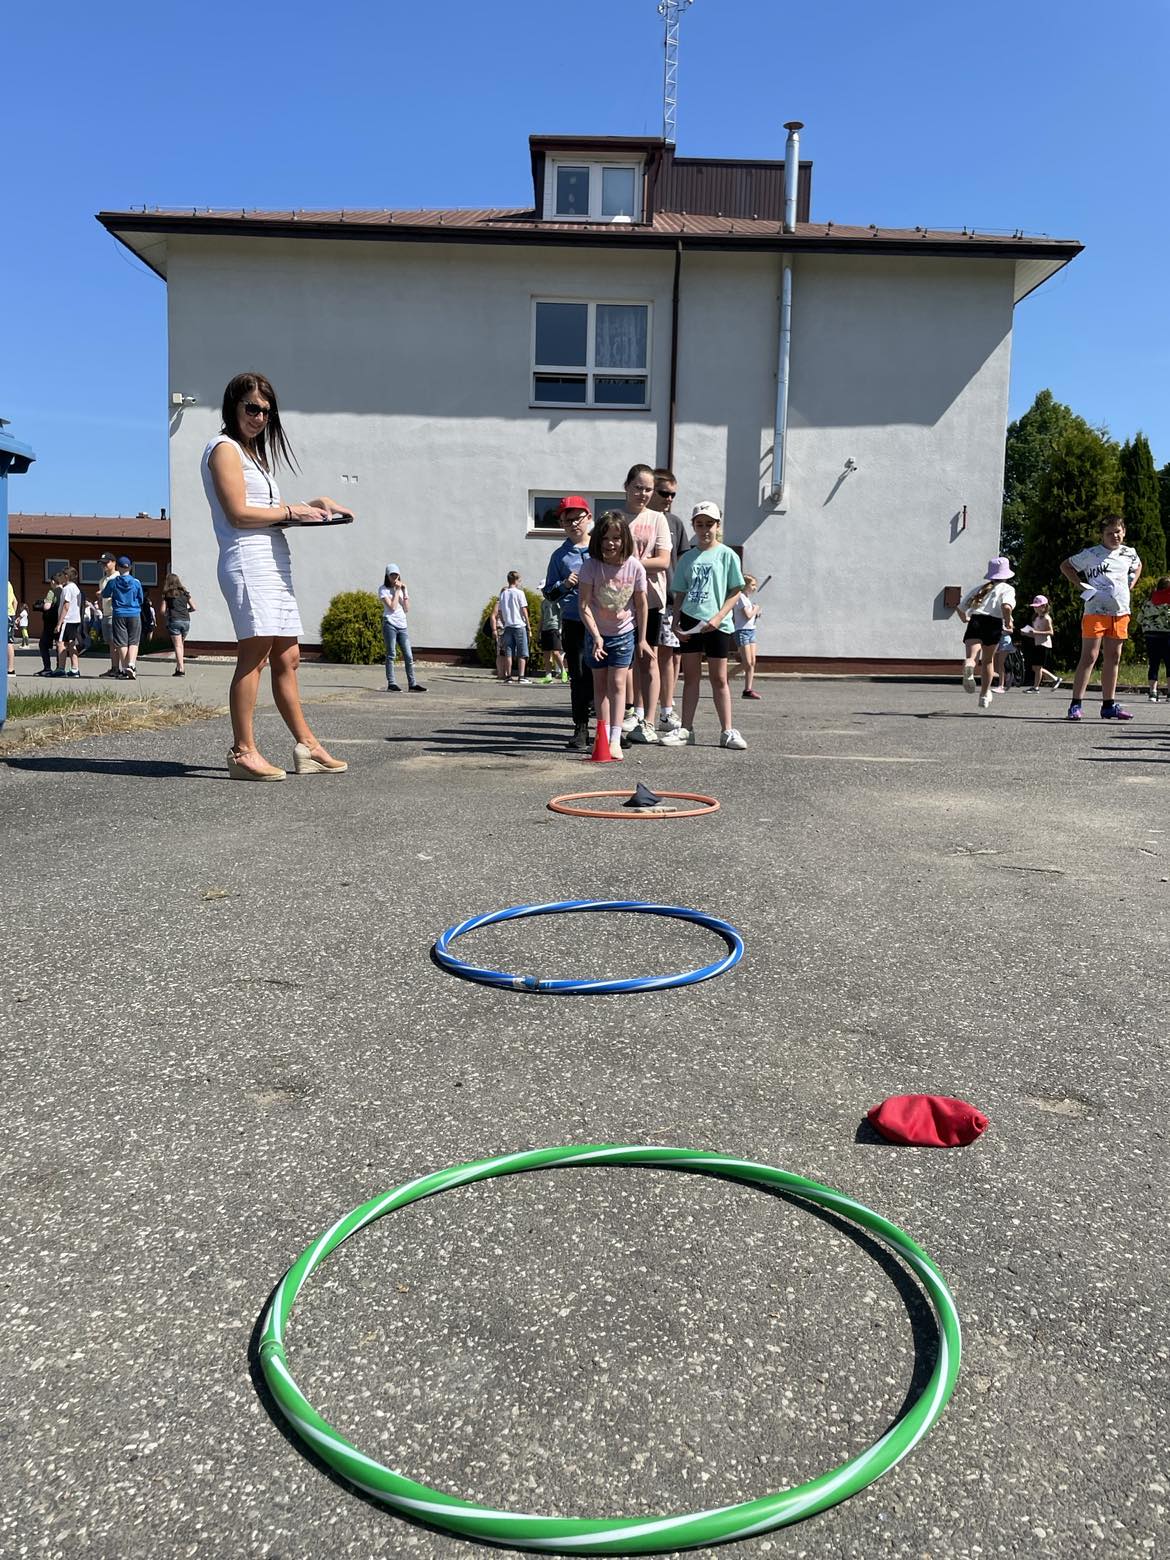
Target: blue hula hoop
(488, 977)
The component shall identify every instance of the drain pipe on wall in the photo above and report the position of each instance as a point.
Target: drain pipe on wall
(779, 493)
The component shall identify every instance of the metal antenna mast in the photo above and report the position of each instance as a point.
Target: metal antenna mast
(672, 10)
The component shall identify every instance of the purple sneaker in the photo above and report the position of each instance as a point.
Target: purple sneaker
(1114, 711)
(1074, 711)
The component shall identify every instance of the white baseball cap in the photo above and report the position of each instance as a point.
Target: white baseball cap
(707, 508)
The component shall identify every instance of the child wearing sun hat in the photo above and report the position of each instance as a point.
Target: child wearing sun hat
(1038, 646)
(987, 612)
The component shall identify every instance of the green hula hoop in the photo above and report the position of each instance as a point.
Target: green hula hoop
(610, 1535)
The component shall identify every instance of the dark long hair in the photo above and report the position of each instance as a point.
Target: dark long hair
(271, 445)
(613, 519)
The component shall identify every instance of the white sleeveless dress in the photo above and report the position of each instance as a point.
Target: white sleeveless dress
(255, 566)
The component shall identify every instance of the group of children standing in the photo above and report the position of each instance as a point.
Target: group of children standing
(1105, 575)
(637, 604)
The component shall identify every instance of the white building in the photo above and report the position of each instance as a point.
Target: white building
(449, 373)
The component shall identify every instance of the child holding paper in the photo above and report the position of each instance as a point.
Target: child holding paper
(1105, 574)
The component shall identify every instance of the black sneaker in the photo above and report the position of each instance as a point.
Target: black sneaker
(418, 688)
(579, 741)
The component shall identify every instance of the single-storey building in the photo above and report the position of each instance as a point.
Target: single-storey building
(840, 391)
(40, 545)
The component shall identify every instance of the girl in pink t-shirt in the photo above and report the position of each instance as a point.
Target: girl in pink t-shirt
(612, 593)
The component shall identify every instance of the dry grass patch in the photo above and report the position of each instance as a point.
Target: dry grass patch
(43, 720)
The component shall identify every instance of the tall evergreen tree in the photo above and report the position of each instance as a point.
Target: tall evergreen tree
(1080, 487)
(1164, 503)
(1139, 504)
(1031, 440)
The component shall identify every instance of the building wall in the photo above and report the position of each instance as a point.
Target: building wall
(406, 367)
(27, 557)
(898, 365)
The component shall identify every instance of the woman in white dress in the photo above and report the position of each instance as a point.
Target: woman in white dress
(255, 572)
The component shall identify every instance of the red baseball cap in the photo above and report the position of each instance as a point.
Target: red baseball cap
(573, 501)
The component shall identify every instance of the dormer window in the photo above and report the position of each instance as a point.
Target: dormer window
(579, 191)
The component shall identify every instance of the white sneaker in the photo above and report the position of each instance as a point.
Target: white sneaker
(630, 721)
(732, 739)
(525, 682)
(679, 736)
(643, 732)
(668, 721)
(969, 679)
(984, 701)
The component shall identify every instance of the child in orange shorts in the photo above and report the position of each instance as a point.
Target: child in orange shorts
(1105, 575)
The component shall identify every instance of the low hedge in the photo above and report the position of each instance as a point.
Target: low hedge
(351, 630)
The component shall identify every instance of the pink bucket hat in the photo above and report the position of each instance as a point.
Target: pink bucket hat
(999, 569)
(1038, 601)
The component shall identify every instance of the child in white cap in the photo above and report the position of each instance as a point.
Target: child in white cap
(395, 599)
(705, 588)
(1038, 646)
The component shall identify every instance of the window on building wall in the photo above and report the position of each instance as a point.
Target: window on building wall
(594, 191)
(91, 571)
(590, 354)
(146, 573)
(54, 566)
(543, 514)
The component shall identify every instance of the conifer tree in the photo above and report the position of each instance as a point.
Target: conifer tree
(1031, 440)
(1164, 503)
(1139, 504)
(1080, 487)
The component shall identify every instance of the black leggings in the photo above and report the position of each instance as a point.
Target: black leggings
(45, 644)
(575, 637)
(1158, 650)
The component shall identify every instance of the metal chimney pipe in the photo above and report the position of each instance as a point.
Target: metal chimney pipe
(791, 172)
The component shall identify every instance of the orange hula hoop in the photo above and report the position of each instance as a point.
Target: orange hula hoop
(710, 805)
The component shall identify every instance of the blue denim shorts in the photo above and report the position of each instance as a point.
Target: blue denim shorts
(745, 636)
(514, 641)
(619, 651)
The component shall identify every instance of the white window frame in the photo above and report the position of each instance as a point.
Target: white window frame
(595, 166)
(598, 504)
(589, 367)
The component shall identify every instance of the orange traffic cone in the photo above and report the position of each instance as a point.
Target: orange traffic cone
(601, 753)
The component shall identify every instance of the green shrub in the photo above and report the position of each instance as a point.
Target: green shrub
(351, 630)
(485, 645)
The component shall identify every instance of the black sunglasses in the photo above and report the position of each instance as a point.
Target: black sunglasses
(254, 409)
(666, 493)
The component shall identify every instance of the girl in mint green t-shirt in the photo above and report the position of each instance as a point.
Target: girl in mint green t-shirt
(706, 585)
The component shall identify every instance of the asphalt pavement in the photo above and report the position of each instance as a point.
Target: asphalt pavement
(224, 1029)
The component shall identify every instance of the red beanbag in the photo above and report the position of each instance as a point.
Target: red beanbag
(928, 1121)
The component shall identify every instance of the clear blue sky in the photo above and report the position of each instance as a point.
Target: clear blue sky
(997, 115)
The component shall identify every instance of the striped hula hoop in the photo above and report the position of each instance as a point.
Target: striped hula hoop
(488, 977)
(610, 1535)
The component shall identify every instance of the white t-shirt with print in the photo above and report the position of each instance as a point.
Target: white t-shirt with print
(1002, 594)
(1111, 571)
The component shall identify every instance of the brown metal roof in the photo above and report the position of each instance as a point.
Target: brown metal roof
(521, 224)
(97, 528)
